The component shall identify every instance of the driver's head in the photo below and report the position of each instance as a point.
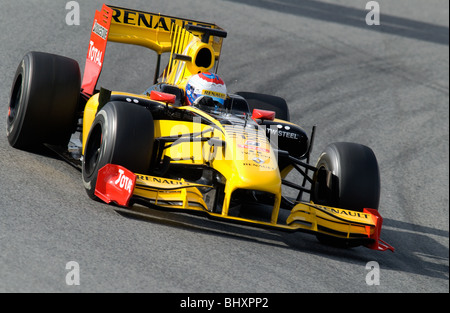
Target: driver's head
(206, 85)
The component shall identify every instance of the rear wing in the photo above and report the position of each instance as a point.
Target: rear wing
(151, 30)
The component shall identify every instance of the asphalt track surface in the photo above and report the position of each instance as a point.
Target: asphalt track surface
(384, 86)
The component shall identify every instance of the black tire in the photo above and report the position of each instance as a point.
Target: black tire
(353, 182)
(122, 133)
(44, 101)
(267, 102)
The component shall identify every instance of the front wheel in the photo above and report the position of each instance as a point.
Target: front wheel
(121, 134)
(348, 177)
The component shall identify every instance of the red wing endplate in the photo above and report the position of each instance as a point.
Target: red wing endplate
(378, 244)
(97, 48)
(115, 184)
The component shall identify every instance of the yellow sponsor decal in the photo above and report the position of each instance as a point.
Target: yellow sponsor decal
(164, 183)
(356, 216)
(214, 94)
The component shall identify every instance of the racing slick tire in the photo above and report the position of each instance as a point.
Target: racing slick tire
(353, 181)
(44, 101)
(266, 102)
(122, 134)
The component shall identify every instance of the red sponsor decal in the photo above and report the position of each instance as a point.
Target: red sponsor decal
(97, 48)
(115, 184)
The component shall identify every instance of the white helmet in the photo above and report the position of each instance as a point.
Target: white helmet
(207, 85)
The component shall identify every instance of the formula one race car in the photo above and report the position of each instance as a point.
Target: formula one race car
(183, 147)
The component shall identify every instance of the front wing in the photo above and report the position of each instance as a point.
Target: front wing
(118, 185)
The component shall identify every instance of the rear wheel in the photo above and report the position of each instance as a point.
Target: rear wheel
(348, 177)
(44, 101)
(122, 134)
(266, 102)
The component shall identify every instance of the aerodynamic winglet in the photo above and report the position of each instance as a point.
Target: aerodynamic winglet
(115, 184)
(378, 244)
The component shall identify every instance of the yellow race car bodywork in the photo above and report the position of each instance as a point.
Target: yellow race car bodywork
(238, 153)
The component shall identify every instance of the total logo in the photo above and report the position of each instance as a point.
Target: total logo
(123, 181)
(94, 54)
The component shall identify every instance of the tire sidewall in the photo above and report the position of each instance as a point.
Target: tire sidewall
(356, 169)
(104, 121)
(14, 127)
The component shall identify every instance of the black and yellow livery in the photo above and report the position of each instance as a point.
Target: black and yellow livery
(152, 149)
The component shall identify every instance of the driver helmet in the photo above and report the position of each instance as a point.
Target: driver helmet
(206, 85)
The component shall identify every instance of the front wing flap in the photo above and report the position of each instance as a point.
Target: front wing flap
(340, 223)
(117, 184)
(123, 187)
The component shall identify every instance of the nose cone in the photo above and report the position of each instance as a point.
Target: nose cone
(258, 173)
(252, 161)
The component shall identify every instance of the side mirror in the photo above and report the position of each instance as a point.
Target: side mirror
(162, 97)
(259, 114)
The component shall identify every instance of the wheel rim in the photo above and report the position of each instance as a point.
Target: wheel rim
(15, 99)
(93, 150)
